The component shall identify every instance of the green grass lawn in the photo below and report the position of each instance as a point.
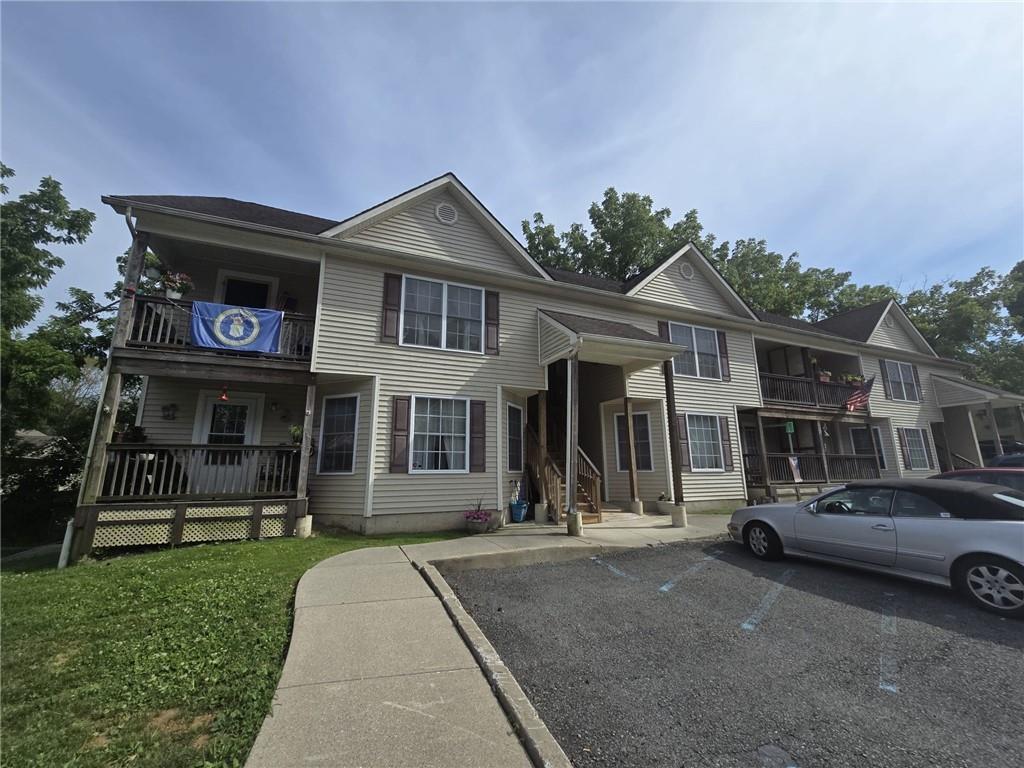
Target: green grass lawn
(162, 659)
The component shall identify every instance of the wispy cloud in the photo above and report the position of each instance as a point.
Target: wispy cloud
(885, 139)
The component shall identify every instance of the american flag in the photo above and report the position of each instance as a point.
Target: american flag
(859, 397)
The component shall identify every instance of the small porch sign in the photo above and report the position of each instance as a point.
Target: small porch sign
(241, 329)
(794, 465)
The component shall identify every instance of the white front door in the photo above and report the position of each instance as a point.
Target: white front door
(233, 422)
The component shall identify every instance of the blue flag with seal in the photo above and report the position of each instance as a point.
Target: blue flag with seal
(240, 329)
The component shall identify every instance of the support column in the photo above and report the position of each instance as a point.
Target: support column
(878, 450)
(995, 428)
(110, 393)
(635, 505)
(540, 511)
(304, 525)
(572, 441)
(819, 447)
(764, 458)
(678, 520)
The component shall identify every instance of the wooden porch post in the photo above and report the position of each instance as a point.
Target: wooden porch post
(764, 456)
(110, 394)
(878, 449)
(819, 445)
(995, 428)
(572, 371)
(634, 489)
(542, 439)
(307, 442)
(673, 434)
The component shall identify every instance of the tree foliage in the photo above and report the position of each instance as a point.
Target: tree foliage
(979, 320)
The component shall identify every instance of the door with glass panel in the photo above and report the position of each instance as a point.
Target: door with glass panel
(217, 467)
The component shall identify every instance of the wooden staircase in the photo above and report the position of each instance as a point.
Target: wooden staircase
(547, 469)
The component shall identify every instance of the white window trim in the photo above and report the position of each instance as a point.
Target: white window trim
(892, 391)
(444, 316)
(650, 441)
(910, 455)
(412, 435)
(224, 274)
(877, 431)
(522, 440)
(693, 348)
(320, 441)
(204, 412)
(689, 444)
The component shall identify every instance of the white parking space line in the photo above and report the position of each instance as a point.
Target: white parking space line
(695, 568)
(612, 568)
(888, 666)
(767, 602)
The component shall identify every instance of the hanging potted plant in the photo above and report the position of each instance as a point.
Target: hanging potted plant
(176, 284)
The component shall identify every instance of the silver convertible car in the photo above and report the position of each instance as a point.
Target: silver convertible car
(968, 536)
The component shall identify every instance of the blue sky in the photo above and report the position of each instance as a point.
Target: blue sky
(882, 139)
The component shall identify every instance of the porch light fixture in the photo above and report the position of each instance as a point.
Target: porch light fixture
(169, 411)
(223, 394)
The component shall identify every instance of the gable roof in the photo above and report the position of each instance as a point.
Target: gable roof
(795, 323)
(450, 183)
(229, 208)
(599, 327)
(588, 281)
(857, 324)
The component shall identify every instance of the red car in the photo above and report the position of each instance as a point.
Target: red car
(1011, 477)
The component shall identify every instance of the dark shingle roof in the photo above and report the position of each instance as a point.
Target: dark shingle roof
(856, 324)
(238, 210)
(588, 281)
(598, 327)
(788, 322)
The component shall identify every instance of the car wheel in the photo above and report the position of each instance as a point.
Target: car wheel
(995, 584)
(762, 541)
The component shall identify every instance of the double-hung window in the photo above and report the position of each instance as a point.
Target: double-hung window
(705, 443)
(862, 445)
(440, 434)
(902, 383)
(338, 434)
(917, 447)
(442, 315)
(701, 356)
(641, 440)
(515, 438)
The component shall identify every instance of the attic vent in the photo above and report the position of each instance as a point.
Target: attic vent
(686, 270)
(889, 321)
(446, 213)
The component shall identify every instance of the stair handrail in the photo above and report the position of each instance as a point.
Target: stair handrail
(965, 460)
(547, 475)
(589, 481)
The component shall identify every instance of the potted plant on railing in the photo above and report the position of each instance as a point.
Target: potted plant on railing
(296, 434)
(824, 376)
(477, 518)
(176, 284)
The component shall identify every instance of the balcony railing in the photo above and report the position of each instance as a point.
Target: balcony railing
(809, 468)
(161, 323)
(798, 390)
(187, 471)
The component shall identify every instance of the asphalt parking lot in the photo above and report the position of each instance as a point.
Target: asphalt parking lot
(699, 655)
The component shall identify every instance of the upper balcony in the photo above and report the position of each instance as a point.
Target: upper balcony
(162, 324)
(807, 378)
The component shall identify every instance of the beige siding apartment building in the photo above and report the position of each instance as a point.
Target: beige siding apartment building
(427, 365)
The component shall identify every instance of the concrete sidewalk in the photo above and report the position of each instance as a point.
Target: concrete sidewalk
(377, 674)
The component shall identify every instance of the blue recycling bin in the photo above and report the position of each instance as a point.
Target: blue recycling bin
(518, 511)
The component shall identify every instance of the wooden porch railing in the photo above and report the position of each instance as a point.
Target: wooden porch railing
(187, 471)
(811, 468)
(165, 324)
(799, 390)
(589, 481)
(545, 473)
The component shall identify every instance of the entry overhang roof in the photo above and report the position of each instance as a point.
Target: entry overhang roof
(596, 340)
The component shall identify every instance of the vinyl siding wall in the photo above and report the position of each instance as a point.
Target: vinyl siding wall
(697, 292)
(895, 337)
(902, 414)
(335, 497)
(184, 393)
(417, 230)
(650, 484)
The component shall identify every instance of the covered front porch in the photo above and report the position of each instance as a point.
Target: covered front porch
(795, 453)
(979, 423)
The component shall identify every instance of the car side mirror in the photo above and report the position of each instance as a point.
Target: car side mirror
(812, 507)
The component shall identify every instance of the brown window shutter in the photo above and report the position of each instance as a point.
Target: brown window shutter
(684, 443)
(400, 407)
(491, 316)
(477, 436)
(917, 383)
(663, 330)
(726, 438)
(926, 436)
(391, 309)
(904, 448)
(723, 357)
(885, 380)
